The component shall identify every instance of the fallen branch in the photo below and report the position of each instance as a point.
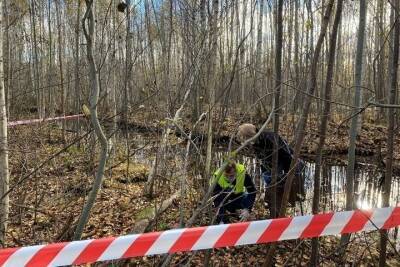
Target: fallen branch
(142, 225)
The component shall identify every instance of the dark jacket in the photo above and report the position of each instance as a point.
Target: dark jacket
(264, 147)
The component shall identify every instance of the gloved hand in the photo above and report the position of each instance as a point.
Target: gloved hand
(244, 215)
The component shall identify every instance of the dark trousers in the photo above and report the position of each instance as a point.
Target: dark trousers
(232, 204)
(297, 191)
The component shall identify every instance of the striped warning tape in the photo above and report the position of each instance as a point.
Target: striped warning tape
(190, 239)
(24, 122)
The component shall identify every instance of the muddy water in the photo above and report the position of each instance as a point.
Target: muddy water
(368, 179)
(368, 185)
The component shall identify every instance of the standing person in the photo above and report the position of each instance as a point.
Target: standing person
(234, 192)
(263, 147)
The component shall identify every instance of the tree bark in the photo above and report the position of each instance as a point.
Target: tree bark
(277, 93)
(355, 120)
(324, 124)
(94, 97)
(60, 62)
(390, 134)
(213, 83)
(6, 54)
(50, 71)
(300, 131)
(77, 104)
(4, 174)
(35, 70)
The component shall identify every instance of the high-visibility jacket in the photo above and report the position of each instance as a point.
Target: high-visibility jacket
(224, 183)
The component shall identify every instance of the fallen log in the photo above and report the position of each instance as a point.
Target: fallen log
(145, 223)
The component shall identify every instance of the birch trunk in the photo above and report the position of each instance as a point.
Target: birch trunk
(4, 174)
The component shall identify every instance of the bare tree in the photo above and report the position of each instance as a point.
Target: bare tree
(212, 86)
(390, 133)
(35, 59)
(300, 131)
(94, 98)
(60, 62)
(77, 102)
(4, 174)
(324, 124)
(356, 117)
(277, 93)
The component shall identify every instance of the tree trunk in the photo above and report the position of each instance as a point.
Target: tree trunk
(277, 93)
(7, 54)
(242, 79)
(4, 175)
(77, 105)
(128, 63)
(297, 63)
(212, 85)
(36, 76)
(94, 97)
(390, 133)
(324, 123)
(257, 66)
(355, 120)
(60, 62)
(150, 40)
(380, 50)
(300, 131)
(50, 71)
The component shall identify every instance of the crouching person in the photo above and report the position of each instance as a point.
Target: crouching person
(234, 193)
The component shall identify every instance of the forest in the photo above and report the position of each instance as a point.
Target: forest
(124, 117)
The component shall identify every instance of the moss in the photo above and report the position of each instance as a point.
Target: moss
(145, 213)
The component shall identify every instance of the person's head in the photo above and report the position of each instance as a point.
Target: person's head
(230, 171)
(246, 131)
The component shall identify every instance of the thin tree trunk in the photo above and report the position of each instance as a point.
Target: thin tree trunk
(300, 131)
(212, 85)
(36, 76)
(127, 63)
(50, 71)
(242, 79)
(77, 69)
(390, 133)
(297, 63)
(94, 97)
(128, 80)
(6, 54)
(60, 62)
(380, 48)
(257, 66)
(150, 40)
(4, 174)
(324, 123)
(277, 93)
(354, 121)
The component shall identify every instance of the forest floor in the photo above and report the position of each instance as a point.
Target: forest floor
(46, 206)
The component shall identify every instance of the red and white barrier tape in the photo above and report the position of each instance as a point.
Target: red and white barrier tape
(24, 122)
(190, 239)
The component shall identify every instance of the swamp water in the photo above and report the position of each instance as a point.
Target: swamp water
(368, 185)
(368, 179)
